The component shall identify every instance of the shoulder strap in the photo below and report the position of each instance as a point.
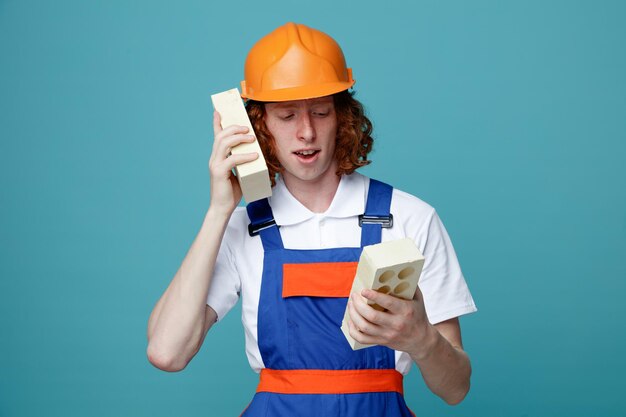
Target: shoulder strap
(377, 213)
(262, 223)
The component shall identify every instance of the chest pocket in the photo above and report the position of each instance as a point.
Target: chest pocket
(315, 296)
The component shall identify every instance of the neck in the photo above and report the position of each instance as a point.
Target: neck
(314, 195)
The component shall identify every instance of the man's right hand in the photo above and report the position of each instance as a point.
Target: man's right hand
(225, 189)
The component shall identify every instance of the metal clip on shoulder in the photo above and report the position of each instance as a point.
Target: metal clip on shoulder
(254, 229)
(384, 221)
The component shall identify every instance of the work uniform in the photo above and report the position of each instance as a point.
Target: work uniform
(294, 338)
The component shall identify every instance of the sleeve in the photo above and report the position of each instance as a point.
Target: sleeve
(443, 286)
(225, 285)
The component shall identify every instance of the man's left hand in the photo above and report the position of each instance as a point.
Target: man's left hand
(402, 326)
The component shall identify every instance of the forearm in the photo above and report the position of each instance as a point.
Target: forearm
(446, 369)
(177, 325)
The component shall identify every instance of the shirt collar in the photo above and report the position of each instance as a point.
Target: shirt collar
(349, 200)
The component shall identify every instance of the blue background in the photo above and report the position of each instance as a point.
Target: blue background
(508, 117)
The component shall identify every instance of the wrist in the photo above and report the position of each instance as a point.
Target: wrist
(216, 213)
(216, 220)
(426, 344)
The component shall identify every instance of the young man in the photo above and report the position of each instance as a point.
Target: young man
(314, 135)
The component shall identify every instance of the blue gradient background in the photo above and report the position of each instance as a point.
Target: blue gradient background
(508, 117)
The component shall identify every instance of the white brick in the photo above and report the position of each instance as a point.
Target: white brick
(253, 176)
(392, 267)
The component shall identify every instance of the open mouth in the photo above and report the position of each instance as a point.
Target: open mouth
(307, 154)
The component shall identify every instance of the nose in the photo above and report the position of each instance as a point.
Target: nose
(306, 131)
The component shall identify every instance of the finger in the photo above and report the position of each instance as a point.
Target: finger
(223, 168)
(217, 123)
(230, 142)
(230, 130)
(222, 149)
(241, 158)
(389, 302)
(365, 317)
(221, 133)
(357, 319)
(357, 334)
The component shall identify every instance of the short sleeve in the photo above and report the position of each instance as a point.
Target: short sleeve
(225, 285)
(443, 286)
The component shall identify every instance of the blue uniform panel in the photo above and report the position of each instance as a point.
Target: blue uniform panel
(375, 404)
(303, 332)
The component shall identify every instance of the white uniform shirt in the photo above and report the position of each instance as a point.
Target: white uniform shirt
(240, 261)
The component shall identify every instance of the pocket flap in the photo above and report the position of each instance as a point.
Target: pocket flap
(323, 279)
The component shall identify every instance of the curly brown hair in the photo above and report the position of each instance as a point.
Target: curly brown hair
(354, 135)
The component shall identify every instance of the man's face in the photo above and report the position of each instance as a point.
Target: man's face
(305, 132)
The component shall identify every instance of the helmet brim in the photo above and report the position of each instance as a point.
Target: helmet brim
(297, 93)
